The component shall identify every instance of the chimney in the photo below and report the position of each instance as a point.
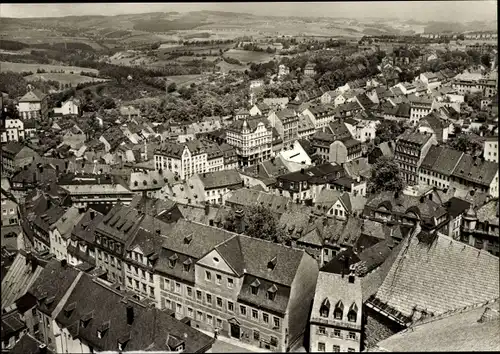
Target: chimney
(130, 315)
(66, 164)
(64, 263)
(158, 232)
(92, 215)
(302, 170)
(207, 209)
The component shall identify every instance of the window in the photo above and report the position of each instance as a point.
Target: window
(265, 317)
(321, 347)
(274, 341)
(230, 306)
(199, 316)
(151, 291)
(169, 304)
(321, 330)
(336, 348)
(336, 333)
(190, 312)
(218, 278)
(255, 314)
(177, 288)
(219, 302)
(256, 335)
(243, 310)
(129, 280)
(230, 282)
(271, 295)
(339, 311)
(189, 291)
(276, 322)
(167, 283)
(198, 295)
(352, 335)
(178, 308)
(209, 298)
(208, 276)
(218, 323)
(210, 319)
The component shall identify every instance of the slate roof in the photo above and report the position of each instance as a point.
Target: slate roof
(414, 137)
(476, 170)
(49, 217)
(149, 331)
(28, 344)
(439, 277)
(85, 229)
(120, 222)
(220, 179)
(250, 197)
(51, 285)
(456, 206)
(489, 213)
(461, 330)
(441, 159)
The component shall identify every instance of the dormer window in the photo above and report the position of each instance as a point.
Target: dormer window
(49, 301)
(271, 292)
(339, 310)
(69, 309)
(255, 287)
(172, 260)
(188, 239)
(353, 313)
(187, 264)
(324, 310)
(84, 321)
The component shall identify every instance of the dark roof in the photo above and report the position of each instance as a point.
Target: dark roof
(28, 344)
(441, 159)
(220, 179)
(457, 206)
(314, 173)
(85, 229)
(106, 310)
(13, 147)
(476, 170)
(52, 284)
(414, 137)
(120, 222)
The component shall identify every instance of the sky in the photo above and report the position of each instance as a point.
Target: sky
(449, 11)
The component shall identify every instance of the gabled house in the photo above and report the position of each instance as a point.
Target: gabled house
(260, 109)
(68, 107)
(217, 185)
(33, 105)
(434, 125)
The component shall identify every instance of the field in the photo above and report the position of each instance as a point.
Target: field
(245, 56)
(20, 67)
(184, 80)
(226, 67)
(73, 79)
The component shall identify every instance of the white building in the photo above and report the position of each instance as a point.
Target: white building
(491, 149)
(14, 130)
(71, 106)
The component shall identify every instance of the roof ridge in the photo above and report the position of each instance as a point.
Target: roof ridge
(480, 251)
(449, 313)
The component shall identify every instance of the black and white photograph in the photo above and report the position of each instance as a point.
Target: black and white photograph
(236, 177)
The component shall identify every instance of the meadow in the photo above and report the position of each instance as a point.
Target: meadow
(245, 56)
(64, 78)
(23, 67)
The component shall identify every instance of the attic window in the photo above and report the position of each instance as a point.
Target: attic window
(339, 310)
(324, 310)
(271, 292)
(188, 239)
(255, 287)
(187, 264)
(102, 329)
(84, 321)
(136, 184)
(49, 300)
(69, 309)
(173, 259)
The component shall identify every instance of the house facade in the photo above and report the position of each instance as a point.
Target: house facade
(33, 105)
(410, 150)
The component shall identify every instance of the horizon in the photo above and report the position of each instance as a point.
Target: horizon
(422, 11)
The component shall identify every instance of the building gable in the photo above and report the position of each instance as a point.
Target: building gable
(215, 261)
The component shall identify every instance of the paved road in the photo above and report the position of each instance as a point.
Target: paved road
(223, 347)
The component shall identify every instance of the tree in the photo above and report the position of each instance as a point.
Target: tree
(486, 60)
(260, 223)
(464, 143)
(385, 176)
(388, 130)
(172, 87)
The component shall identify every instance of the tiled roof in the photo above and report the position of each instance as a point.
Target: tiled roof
(19, 278)
(476, 170)
(85, 229)
(439, 277)
(414, 137)
(149, 331)
(441, 159)
(49, 217)
(460, 330)
(489, 213)
(52, 284)
(33, 96)
(120, 222)
(28, 344)
(220, 179)
(249, 197)
(67, 222)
